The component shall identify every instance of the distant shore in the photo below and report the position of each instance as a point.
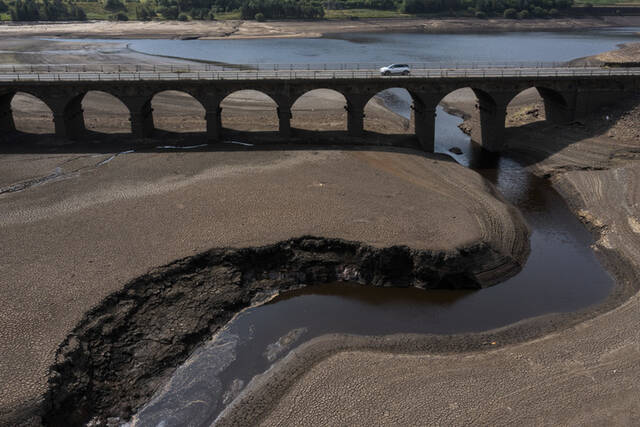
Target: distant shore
(238, 29)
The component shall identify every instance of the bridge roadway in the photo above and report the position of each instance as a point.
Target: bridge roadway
(568, 92)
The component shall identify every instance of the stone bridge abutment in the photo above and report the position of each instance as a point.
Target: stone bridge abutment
(565, 99)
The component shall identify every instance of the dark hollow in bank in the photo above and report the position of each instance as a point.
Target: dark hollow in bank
(125, 348)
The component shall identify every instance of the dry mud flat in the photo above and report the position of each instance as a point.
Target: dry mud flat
(70, 242)
(252, 29)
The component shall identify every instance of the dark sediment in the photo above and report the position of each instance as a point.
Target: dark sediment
(124, 349)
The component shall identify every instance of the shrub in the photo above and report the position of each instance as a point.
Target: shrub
(183, 17)
(77, 13)
(260, 17)
(168, 12)
(145, 12)
(114, 6)
(481, 15)
(554, 12)
(120, 16)
(510, 13)
(523, 14)
(539, 12)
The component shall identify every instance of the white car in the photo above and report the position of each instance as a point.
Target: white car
(401, 69)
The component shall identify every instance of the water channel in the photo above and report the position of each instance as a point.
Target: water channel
(560, 275)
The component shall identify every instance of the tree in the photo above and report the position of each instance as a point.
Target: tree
(114, 6)
(510, 13)
(120, 16)
(26, 10)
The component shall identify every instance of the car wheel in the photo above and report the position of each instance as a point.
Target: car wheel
(387, 73)
(405, 73)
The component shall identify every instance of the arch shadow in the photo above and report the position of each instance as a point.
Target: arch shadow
(103, 112)
(25, 112)
(390, 112)
(537, 103)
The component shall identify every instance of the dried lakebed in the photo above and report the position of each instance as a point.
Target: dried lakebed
(126, 349)
(561, 275)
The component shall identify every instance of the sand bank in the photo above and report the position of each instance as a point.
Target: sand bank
(253, 29)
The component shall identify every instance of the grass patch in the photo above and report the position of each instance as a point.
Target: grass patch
(226, 16)
(363, 13)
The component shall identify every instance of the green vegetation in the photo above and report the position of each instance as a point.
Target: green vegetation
(45, 10)
(363, 13)
(262, 10)
(278, 9)
(607, 2)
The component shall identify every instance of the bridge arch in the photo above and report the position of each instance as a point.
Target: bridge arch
(177, 111)
(538, 103)
(26, 112)
(100, 111)
(389, 111)
(481, 111)
(249, 110)
(330, 103)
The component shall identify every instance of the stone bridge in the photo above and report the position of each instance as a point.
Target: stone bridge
(567, 96)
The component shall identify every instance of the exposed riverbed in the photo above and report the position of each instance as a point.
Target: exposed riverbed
(560, 275)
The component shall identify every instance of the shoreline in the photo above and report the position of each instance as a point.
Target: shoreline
(300, 29)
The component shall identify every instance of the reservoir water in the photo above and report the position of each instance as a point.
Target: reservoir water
(560, 275)
(387, 48)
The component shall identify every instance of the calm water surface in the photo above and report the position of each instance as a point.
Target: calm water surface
(399, 47)
(560, 275)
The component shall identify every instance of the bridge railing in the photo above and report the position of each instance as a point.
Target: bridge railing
(315, 74)
(195, 67)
